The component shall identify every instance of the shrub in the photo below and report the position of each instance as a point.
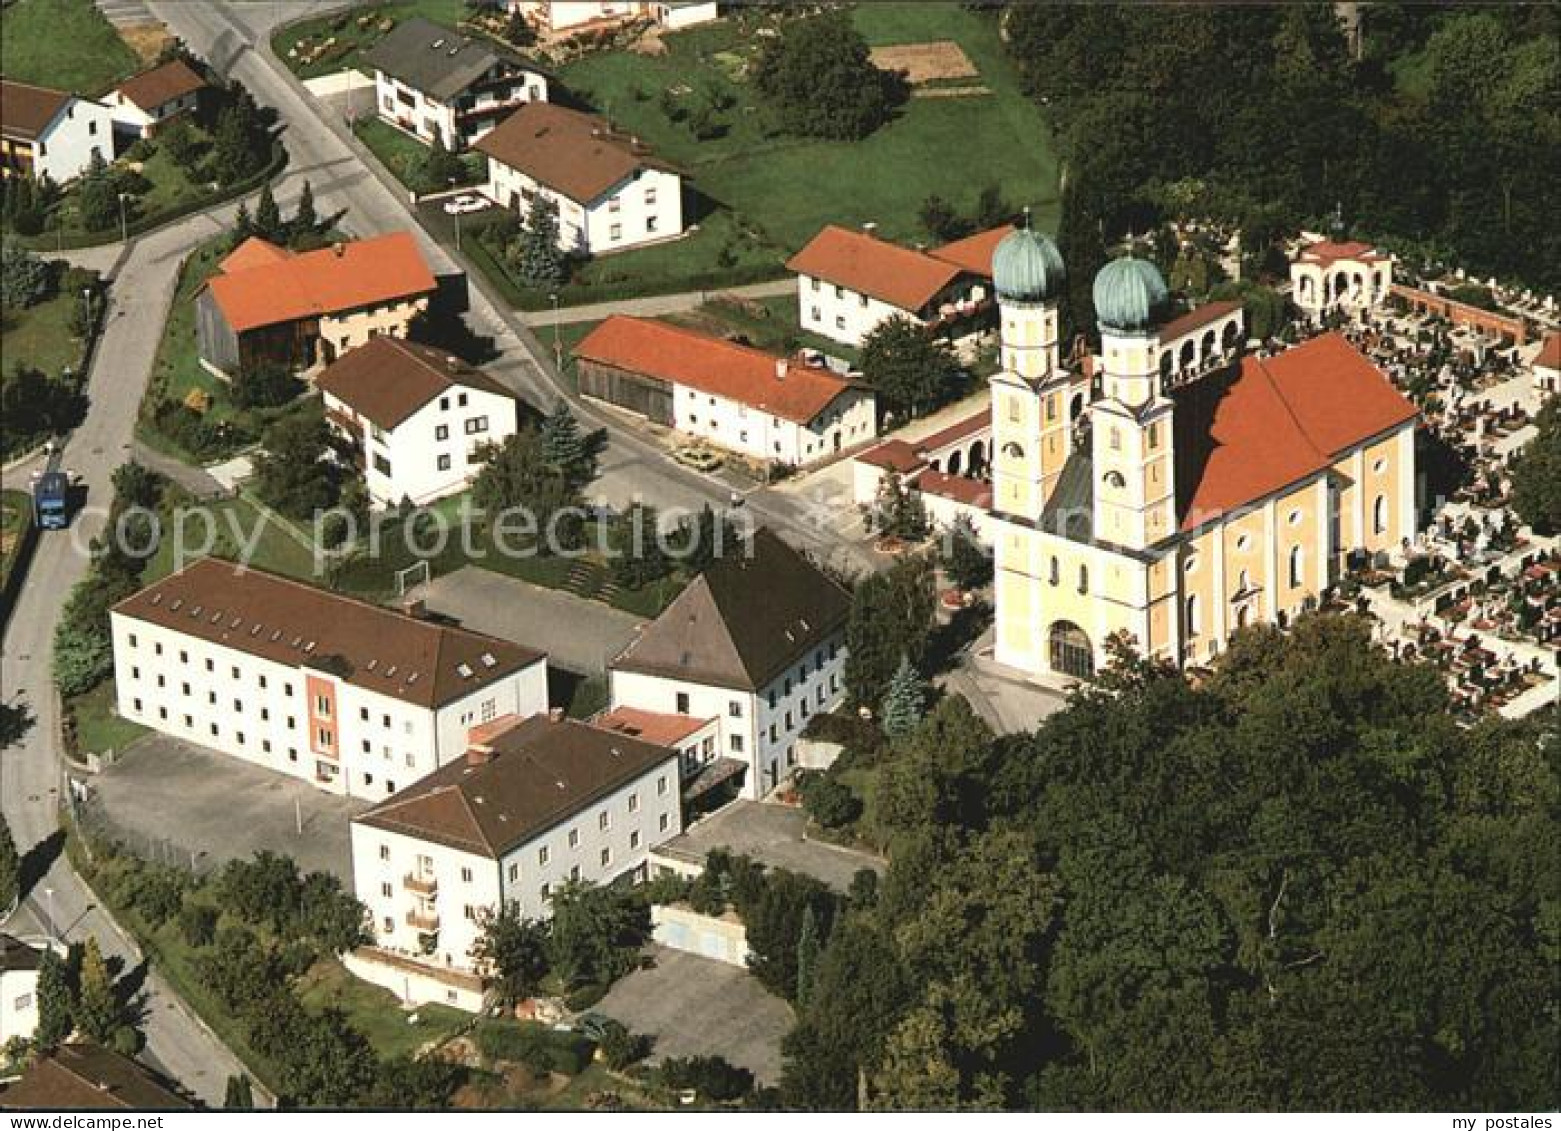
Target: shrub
(197, 923)
(621, 1048)
(713, 1077)
(829, 802)
(537, 1047)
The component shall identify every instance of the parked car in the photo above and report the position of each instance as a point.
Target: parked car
(466, 202)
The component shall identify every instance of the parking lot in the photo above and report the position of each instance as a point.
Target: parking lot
(697, 1006)
(173, 800)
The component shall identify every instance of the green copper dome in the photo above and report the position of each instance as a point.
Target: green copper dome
(1128, 294)
(1027, 267)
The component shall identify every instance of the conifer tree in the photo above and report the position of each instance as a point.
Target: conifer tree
(56, 1001)
(305, 220)
(239, 1096)
(904, 702)
(97, 1005)
(10, 869)
(268, 216)
(808, 948)
(564, 447)
(540, 259)
(243, 223)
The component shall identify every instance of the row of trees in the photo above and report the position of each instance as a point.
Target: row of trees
(1299, 885)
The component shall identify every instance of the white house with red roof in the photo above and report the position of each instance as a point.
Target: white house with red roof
(772, 409)
(51, 133)
(849, 282)
(1331, 275)
(1547, 364)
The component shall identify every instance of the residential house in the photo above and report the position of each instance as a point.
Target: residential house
(416, 417)
(145, 103)
(611, 191)
(51, 133)
(81, 1076)
(757, 642)
(567, 15)
(774, 409)
(850, 282)
(355, 698)
(18, 989)
(535, 803)
(267, 305)
(433, 82)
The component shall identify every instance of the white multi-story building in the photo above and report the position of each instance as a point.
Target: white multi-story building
(534, 804)
(51, 133)
(357, 698)
(146, 102)
(416, 416)
(434, 82)
(850, 282)
(756, 642)
(563, 15)
(772, 409)
(610, 190)
(18, 989)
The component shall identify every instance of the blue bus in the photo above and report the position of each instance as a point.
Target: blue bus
(51, 501)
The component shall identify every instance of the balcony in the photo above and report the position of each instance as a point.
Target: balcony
(427, 886)
(423, 921)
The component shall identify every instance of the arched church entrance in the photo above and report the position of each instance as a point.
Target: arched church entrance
(1070, 652)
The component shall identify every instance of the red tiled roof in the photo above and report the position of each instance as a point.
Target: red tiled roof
(253, 292)
(650, 726)
(713, 365)
(955, 432)
(973, 253)
(26, 109)
(573, 153)
(865, 264)
(892, 455)
(1549, 356)
(1328, 251)
(1198, 317)
(1277, 421)
(971, 492)
(151, 89)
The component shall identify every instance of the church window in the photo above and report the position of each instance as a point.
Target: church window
(1056, 572)
(1014, 451)
(1116, 439)
(1295, 566)
(1154, 436)
(1193, 627)
(1379, 515)
(1115, 479)
(1051, 408)
(1294, 517)
(1015, 410)
(1083, 579)
(1192, 564)
(1243, 582)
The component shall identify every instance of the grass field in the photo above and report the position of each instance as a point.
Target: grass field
(352, 39)
(791, 187)
(376, 1013)
(40, 335)
(65, 44)
(404, 155)
(98, 728)
(15, 518)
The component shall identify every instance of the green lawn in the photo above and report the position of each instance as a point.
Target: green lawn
(791, 187)
(354, 31)
(404, 155)
(15, 518)
(65, 44)
(233, 524)
(98, 728)
(376, 1012)
(40, 335)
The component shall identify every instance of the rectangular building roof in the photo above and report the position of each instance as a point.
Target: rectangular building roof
(899, 276)
(575, 154)
(26, 110)
(523, 780)
(288, 622)
(161, 85)
(438, 60)
(260, 284)
(781, 387)
(387, 379)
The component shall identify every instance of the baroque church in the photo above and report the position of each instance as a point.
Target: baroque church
(1173, 487)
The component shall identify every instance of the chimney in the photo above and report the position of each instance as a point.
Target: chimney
(338, 249)
(415, 607)
(782, 367)
(479, 754)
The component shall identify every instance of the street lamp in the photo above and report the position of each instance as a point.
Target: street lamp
(86, 303)
(558, 345)
(48, 895)
(453, 182)
(124, 228)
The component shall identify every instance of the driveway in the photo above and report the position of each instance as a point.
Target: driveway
(774, 835)
(175, 800)
(576, 634)
(697, 1006)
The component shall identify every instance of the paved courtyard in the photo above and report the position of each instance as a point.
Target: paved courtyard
(173, 798)
(576, 634)
(697, 1006)
(773, 835)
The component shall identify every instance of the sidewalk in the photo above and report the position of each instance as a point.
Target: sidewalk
(652, 305)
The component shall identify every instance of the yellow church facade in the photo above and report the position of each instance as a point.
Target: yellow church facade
(1174, 489)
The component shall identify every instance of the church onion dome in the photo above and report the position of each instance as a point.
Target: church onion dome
(1027, 267)
(1129, 294)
